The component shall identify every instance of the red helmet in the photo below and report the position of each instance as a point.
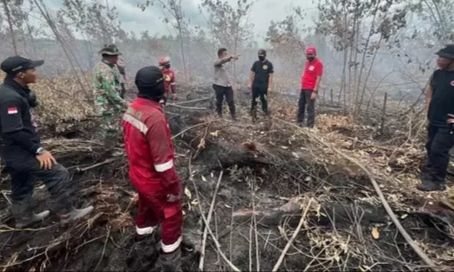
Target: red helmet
(164, 61)
(311, 50)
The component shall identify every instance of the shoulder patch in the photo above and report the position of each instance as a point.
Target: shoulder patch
(12, 110)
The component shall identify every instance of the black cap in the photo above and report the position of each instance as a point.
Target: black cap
(262, 52)
(150, 82)
(447, 52)
(16, 64)
(110, 49)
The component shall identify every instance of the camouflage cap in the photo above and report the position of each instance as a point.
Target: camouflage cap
(110, 49)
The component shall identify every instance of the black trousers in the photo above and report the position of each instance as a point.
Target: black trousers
(222, 92)
(57, 180)
(439, 142)
(261, 92)
(304, 102)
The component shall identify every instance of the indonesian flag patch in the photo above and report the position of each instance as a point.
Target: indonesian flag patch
(13, 110)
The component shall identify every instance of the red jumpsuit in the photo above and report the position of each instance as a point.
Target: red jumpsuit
(150, 153)
(169, 81)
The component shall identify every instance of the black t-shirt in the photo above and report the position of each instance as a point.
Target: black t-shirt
(442, 103)
(18, 134)
(262, 70)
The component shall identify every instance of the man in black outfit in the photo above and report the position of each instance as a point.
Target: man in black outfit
(20, 147)
(440, 103)
(260, 82)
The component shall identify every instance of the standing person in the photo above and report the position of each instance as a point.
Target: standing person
(123, 79)
(222, 84)
(21, 149)
(150, 152)
(170, 84)
(260, 82)
(310, 82)
(440, 105)
(108, 102)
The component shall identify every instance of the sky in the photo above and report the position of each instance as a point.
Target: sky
(151, 20)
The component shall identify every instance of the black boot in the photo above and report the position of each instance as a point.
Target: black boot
(169, 262)
(428, 186)
(23, 213)
(254, 114)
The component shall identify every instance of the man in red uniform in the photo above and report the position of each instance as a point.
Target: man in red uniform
(150, 153)
(310, 82)
(169, 77)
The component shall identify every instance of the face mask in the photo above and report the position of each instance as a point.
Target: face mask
(262, 58)
(310, 58)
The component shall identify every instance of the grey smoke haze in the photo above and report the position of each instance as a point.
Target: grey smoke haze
(263, 11)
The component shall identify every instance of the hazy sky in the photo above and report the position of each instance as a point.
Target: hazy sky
(263, 11)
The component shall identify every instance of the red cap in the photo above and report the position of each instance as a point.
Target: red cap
(311, 50)
(164, 61)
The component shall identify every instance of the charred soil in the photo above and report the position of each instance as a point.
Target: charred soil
(260, 181)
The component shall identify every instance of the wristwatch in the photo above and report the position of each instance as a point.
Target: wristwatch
(40, 151)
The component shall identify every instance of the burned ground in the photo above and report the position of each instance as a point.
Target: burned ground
(259, 180)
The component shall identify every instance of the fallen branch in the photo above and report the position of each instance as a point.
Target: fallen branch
(205, 231)
(103, 249)
(186, 107)
(193, 101)
(290, 242)
(383, 200)
(96, 165)
(189, 128)
(216, 242)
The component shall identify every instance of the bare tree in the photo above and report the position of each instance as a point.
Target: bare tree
(285, 39)
(439, 13)
(228, 23)
(173, 9)
(360, 29)
(10, 25)
(97, 23)
(72, 59)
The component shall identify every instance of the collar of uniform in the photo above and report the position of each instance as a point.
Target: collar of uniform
(148, 102)
(108, 63)
(23, 91)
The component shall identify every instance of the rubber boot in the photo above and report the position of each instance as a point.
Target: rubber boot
(428, 186)
(145, 231)
(23, 213)
(448, 200)
(75, 214)
(254, 114)
(169, 262)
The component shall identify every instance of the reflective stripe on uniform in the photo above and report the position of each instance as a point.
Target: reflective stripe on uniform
(171, 248)
(135, 123)
(163, 166)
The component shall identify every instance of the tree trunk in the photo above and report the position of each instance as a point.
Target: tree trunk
(369, 72)
(10, 25)
(43, 10)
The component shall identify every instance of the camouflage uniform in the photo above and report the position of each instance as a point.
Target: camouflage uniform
(109, 104)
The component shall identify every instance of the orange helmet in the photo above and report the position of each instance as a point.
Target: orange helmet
(164, 61)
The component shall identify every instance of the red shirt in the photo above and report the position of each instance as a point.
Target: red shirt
(169, 80)
(312, 70)
(148, 144)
